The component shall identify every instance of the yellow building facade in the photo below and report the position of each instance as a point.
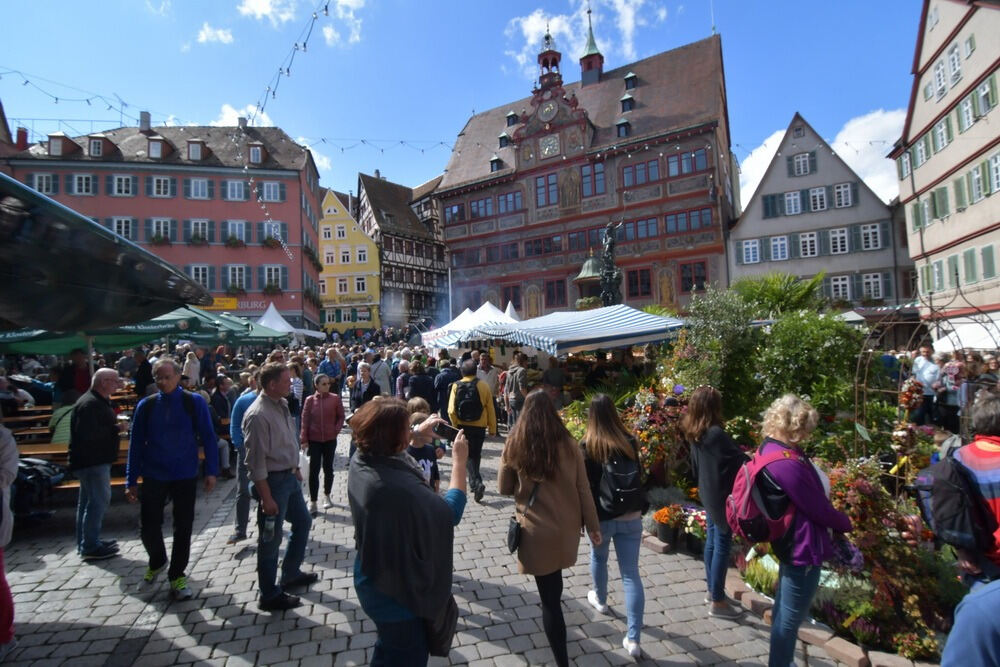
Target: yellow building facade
(349, 285)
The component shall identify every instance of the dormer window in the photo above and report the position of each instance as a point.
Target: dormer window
(630, 81)
(96, 147)
(194, 150)
(624, 128)
(55, 146)
(496, 164)
(256, 154)
(155, 148)
(504, 140)
(798, 131)
(511, 119)
(628, 102)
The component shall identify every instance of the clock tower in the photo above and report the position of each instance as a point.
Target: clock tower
(548, 64)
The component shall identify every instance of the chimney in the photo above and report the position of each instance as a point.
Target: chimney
(22, 138)
(144, 121)
(242, 122)
(378, 174)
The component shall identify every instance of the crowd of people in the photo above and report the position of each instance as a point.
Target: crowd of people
(405, 410)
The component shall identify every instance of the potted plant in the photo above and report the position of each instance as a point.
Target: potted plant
(668, 523)
(271, 242)
(272, 288)
(234, 290)
(235, 242)
(160, 239)
(695, 530)
(197, 239)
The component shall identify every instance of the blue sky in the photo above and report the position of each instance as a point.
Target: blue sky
(376, 73)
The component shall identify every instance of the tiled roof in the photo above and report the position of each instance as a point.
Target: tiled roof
(5, 137)
(425, 189)
(675, 89)
(281, 152)
(390, 204)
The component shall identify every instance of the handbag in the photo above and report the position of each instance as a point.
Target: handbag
(440, 631)
(514, 526)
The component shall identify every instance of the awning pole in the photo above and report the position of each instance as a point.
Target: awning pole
(90, 354)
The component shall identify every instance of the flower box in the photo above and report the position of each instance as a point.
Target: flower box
(271, 242)
(159, 239)
(235, 242)
(197, 239)
(235, 291)
(271, 288)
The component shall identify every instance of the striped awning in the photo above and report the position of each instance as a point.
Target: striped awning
(574, 331)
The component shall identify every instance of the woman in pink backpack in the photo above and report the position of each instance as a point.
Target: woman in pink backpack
(801, 551)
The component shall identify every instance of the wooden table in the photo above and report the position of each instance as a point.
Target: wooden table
(26, 419)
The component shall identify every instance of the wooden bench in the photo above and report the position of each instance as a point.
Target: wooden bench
(26, 419)
(75, 483)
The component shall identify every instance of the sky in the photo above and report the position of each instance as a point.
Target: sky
(388, 84)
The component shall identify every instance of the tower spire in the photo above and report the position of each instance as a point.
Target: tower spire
(591, 62)
(591, 42)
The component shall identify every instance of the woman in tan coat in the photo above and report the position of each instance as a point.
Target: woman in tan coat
(541, 452)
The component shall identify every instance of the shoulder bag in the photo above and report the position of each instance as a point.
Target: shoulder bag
(514, 527)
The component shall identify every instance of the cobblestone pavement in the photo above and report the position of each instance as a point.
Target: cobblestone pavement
(74, 613)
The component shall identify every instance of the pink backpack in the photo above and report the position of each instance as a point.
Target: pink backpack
(745, 510)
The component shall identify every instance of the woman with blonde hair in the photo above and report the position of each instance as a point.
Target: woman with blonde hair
(716, 459)
(191, 370)
(801, 551)
(608, 441)
(543, 469)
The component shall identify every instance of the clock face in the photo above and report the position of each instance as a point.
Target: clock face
(548, 111)
(549, 145)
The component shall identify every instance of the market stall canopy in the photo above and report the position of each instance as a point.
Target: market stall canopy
(465, 320)
(511, 312)
(272, 319)
(253, 333)
(490, 313)
(966, 334)
(63, 271)
(576, 331)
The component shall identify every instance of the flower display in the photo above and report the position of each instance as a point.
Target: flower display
(670, 515)
(696, 521)
(911, 394)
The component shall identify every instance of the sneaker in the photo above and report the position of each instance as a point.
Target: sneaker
(632, 648)
(327, 502)
(179, 589)
(151, 575)
(279, 602)
(100, 553)
(236, 537)
(313, 509)
(708, 600)
(5, 649)
(728, 611)
(479, 494)
(595, 603)
(111, 544)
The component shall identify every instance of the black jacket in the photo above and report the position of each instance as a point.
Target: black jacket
(716, 459)
(93, 432)
(143, 378)
(358, 398)
(446, 377)
(422, 385)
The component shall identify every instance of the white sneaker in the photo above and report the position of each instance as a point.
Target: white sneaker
(632, 647)
(312, 507)
(595, 603)
(327, 502)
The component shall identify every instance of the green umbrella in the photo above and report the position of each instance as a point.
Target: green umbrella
(40, 341)
(253, 333)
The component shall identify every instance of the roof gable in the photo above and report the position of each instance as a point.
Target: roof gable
(390, 206)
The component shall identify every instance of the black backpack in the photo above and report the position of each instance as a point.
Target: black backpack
(620, 490)
(468, 405)
(952, 507)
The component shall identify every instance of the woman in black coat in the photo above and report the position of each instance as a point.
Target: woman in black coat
(716, 459)
(365, 389)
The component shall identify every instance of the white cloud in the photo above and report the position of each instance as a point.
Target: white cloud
(277, 11)
(754, 165)
(209, 34)
(229, 116)
(323, 162)
(330, 35)
(570, 30)
(863, 143)
(345, 12)
(160, 9)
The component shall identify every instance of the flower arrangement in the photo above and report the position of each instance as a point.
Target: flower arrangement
(911, 394)
(662, 451)
(670, 515)
(271, 242)
(746, 432)
(160, 239)
(271, 288)
(696, 522)
(235, 242)
(234, 290)
(197, 239)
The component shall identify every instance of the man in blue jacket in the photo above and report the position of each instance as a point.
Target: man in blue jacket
(163, 450)
(243, 480)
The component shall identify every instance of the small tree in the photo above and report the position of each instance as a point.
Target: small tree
(776, 293)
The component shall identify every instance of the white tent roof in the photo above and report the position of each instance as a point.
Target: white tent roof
(964, 333)
(490, 313)
(464, 320)
(467, 321)
(273, 319)
(511, 312)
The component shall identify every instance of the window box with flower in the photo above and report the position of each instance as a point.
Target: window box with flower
(235, 290)
(235, 242)
(159, 239)
(272, 288)
(197, 239)
(271, 242)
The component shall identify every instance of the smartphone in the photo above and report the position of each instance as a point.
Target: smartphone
(446, 431)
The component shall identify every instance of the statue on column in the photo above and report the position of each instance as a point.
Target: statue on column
(611, 275)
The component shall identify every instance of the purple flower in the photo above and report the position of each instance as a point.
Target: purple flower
(678, 389)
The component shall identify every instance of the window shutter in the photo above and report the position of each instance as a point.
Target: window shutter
(887, 285)
(109, 184)
(984, 173)
(187, 271)
(827, 289)
(284, 232)
(947, 129)
(830, 202)
(993, 91)
(824, 242)
(899, 168)
(943, 208)
(70, 190)
(261, 277)
(260, 191)
(765, 249)
(173, 186)
(927, 145)
(211, 189)
(804, 200)
(224, 277)
(790, 161)
(211, 279)
(223, 190)
(211, 231)
(854, 193)
(284, 277)
(187, 231)
(149, 186)
(55, 184)
(968, 186)
(812, 162)
(109, 223)
(959, 186)
(249, 277)
(883, 235)
(148, 230)
(173, 231)
(246, 190)
(738, 251)
(187, 188)
(260, 232)
(29, 180)
(855, 238)
(857, 288)
(768, 206)
(793, 246)
(281, 192)
(934, 142)
(224, 231)
(934, 204)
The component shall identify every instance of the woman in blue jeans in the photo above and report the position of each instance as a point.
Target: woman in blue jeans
(801, 551)
(608, 440)
(716, 459)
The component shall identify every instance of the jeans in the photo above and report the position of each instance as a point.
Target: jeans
(223, 454)
(400, 644)
(925, 412)
(291, 507)
(512, 414)
(476, 435)
(797, 585)
(6, 605)
(717, 544)
(321, 453)
(627, 536)
(152, 501)
(242, 493)
(95, 496)
(550, 588)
